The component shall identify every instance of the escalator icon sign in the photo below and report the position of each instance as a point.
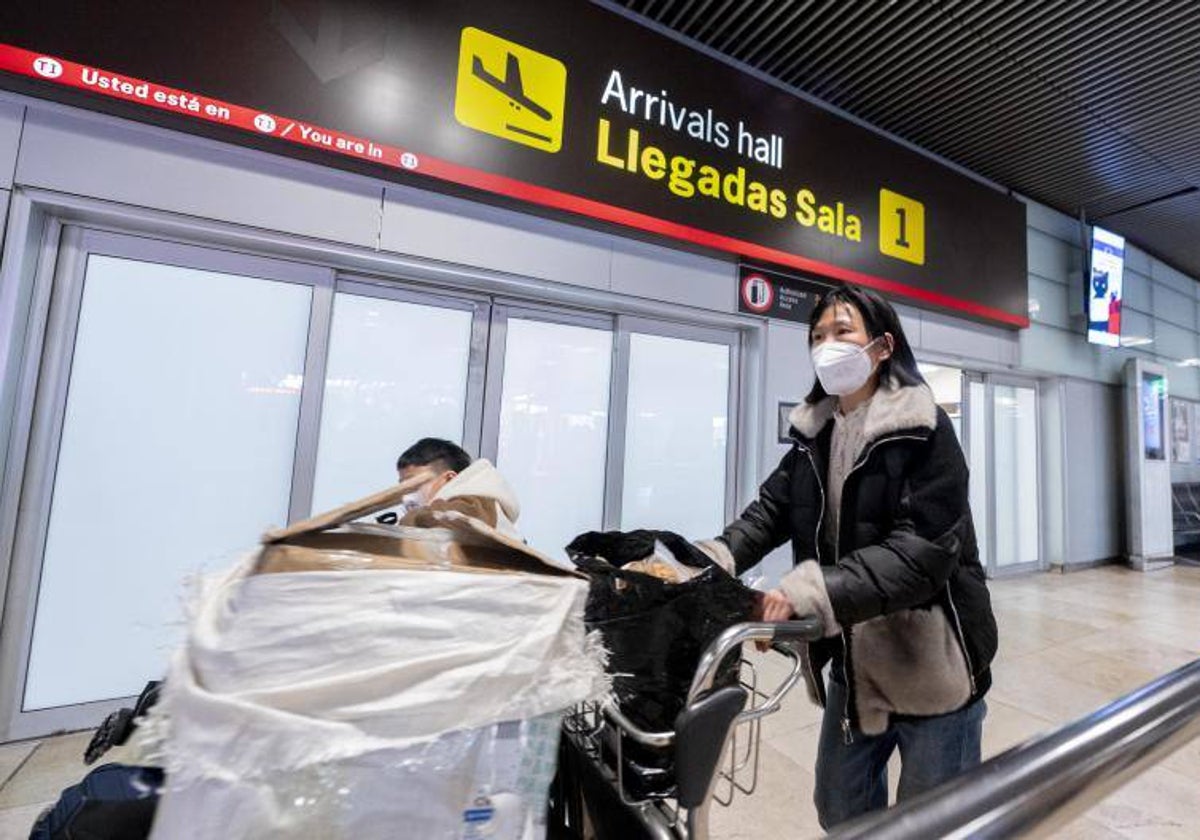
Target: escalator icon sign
(510, 91)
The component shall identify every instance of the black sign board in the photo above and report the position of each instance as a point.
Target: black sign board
(776, 294)
(560, 103)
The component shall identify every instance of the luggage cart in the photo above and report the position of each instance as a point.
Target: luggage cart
(714, 746)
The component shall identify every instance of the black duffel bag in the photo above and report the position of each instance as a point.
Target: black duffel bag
(112, 802)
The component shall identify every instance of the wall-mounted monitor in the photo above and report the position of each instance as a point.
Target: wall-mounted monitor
(1106, 269)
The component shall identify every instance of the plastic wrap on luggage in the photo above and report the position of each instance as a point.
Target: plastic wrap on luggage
(489, 781)
(352, 681)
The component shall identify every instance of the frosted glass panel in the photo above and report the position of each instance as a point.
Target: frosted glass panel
(946, 384)
(397, 372)
(977, 461)
(554, 428)
(1017, 538)
(176, 454)
(676, 433)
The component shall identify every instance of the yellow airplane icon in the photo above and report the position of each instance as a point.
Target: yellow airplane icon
(524, 104)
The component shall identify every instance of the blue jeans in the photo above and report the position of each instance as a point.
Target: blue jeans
(852, 778)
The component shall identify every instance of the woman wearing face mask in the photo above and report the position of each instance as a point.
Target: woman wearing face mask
(873, 496)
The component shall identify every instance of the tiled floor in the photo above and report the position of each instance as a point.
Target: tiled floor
(1069, 643)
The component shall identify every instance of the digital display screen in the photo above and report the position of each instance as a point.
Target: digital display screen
(1106, 269)
(1154, 396)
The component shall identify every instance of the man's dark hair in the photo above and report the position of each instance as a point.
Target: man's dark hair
(878, 317)
(437, 453)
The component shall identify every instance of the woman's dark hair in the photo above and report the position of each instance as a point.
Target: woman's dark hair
(428, 452)
(878, 318)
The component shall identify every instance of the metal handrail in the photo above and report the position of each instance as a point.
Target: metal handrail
(1038, 786)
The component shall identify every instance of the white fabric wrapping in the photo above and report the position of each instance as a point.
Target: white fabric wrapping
(366, 704)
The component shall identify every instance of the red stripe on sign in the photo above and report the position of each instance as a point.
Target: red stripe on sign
(307, 135)
(174, 101)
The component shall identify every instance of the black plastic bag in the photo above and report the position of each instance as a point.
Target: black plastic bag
(656, 632)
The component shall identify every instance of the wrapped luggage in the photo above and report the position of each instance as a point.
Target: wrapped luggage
(366, 681)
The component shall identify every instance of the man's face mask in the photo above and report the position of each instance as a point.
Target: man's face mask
(424, 493)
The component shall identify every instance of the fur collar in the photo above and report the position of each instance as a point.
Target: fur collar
(482, 479)
(893, 408)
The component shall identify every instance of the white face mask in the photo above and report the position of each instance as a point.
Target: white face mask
(409, 503)
(842, 367)
(418, 498)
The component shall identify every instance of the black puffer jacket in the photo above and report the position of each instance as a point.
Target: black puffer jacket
(902, 578)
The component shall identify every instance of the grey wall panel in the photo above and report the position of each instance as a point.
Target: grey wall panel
(910, 321)
(1110, 363)
(1050, 350)
(458, 231)
(1174, 307)
(1174, 342)
(1137, 325)
(1183, 382)
(95, 155)
(1048, 303)
(1052, 258)
(1094, 482)
(1042, 218)
(11, 117)
(1136, 289)
(651, 271)
(1137, 260)
(965, 339)
(1164, 274)
(1010, 350)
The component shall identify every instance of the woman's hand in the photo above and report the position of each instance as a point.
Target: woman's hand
(776, 606)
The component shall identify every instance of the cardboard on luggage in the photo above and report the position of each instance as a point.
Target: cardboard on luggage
(334, 541)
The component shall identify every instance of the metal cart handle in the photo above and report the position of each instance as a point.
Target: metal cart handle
(800, 630)
(783, 632)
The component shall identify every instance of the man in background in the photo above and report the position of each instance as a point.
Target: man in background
(453, 482)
